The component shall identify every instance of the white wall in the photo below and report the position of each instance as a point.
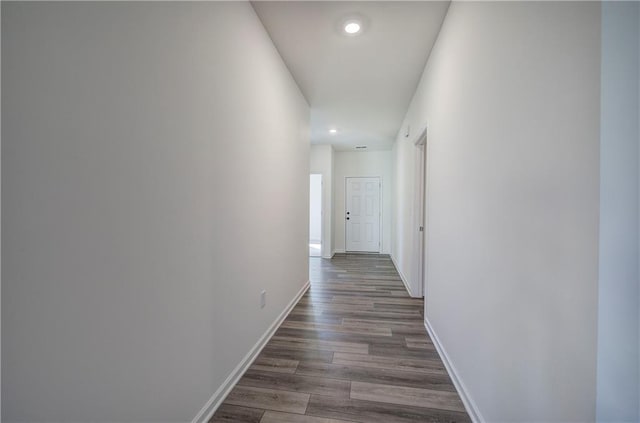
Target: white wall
(139, 140)
(315, 207)
(332, 194)
(370, 163)
(321, 161)
(618, 391)
(511, 97)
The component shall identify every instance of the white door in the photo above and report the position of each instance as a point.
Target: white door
(419, 221)
(362, 215)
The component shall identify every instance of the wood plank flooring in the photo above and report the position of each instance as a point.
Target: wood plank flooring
(354, 349)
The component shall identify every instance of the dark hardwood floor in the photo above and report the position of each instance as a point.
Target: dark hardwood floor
(354, 349)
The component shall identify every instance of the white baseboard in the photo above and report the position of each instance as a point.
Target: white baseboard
(221, 393)
(339, 251)
(328, 256)
(402, 277)
(469, 404)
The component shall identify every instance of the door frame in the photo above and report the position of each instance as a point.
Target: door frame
(322, 223)
(344, 213)
(420, 215)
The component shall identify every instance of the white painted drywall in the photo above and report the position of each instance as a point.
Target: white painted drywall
(617, 392)
(155, 179)
(511, 97)
(330, 210)
(321, 161)
(315, 207)
(372, 163)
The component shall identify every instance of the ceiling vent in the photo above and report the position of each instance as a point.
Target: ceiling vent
(360, 147)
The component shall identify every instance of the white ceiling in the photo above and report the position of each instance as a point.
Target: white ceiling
(360, 85)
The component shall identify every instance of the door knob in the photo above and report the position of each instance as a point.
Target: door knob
(347, 218)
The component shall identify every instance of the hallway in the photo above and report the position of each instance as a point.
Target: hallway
(353, 349)
(147, 145)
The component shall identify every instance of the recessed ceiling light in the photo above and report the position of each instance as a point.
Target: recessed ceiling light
(352, 27)
(333, 131)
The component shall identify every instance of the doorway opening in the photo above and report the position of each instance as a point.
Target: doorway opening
(315, 215)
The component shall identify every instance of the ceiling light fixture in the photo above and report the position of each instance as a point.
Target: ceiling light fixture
(352, 27)
(333, 131)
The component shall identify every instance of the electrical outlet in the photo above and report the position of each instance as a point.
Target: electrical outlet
(263, 299)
